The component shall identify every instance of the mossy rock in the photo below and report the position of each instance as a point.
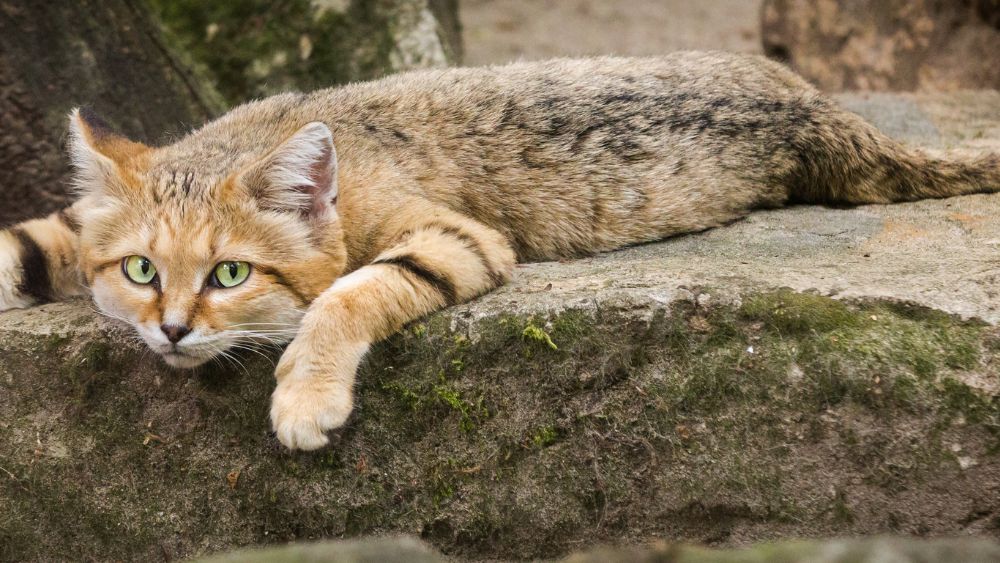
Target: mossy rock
(514, 436)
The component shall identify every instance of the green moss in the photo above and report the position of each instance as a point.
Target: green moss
(406, 395)
(787, 312)
(537, 334)
(95, 356)
(467, 411)
(544, 437)
(572, 325)
(888, 351)
(974, 406)
(54, 342)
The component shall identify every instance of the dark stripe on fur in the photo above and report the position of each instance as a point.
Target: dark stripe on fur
(69, 220)
(109, 264)
(436, 280)
(281, 280)
(473, 244)
(35, 281)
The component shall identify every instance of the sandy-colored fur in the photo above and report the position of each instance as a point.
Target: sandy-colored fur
(364, 207)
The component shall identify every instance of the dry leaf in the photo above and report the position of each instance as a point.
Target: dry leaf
(232, 478)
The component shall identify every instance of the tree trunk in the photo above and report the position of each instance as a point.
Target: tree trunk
(256, 48)
(110, 55)
(55, 55)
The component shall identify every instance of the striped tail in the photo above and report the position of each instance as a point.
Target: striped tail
(846, 160)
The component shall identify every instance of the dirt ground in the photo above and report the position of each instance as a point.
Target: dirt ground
(498, 31)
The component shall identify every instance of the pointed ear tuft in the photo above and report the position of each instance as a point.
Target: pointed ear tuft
(97, 127)
(300, 175)
(97, 152)
(93, 168)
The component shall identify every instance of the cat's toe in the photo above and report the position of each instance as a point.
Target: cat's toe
(302, 411)
(300, 434)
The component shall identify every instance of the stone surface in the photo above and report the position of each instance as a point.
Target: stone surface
(670, 391)
(886, 44)
(881, 550)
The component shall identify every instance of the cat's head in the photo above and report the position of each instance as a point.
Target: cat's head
(205, 246)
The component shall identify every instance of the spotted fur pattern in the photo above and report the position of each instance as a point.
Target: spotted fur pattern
(364, 207)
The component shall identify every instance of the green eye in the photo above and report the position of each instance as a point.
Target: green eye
(230, 274)
(139, 269)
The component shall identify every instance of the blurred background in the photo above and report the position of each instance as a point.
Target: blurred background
(156, 68)
(498, 31)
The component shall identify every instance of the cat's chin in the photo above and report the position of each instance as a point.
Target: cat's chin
(182, 361)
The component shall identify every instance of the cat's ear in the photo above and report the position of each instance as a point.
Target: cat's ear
(300, 175)
(98, 153)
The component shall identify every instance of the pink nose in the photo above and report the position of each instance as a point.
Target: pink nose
(174, 332)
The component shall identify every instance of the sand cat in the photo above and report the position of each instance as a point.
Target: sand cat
(331, 219)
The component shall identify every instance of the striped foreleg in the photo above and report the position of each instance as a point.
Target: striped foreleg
(38, 261)
(438, 263)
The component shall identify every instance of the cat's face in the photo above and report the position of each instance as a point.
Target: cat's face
(199, 281)
(202, 265)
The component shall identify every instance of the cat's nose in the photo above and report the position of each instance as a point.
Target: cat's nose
(175, 332)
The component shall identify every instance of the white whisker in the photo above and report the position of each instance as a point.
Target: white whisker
(255, 351)
(229, 356)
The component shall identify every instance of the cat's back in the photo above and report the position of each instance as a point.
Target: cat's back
(526, 91)
(704, 72)
(602, 149)
(561, 103)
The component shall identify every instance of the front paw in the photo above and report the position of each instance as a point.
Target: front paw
(308, 402)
